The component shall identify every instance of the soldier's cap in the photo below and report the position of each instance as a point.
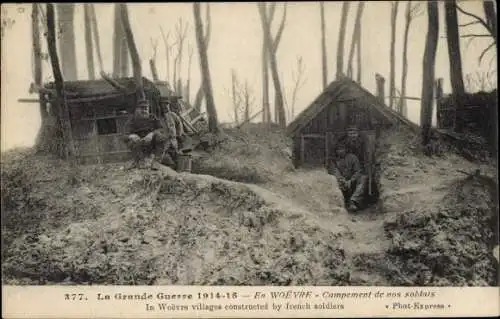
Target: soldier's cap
(352, 127)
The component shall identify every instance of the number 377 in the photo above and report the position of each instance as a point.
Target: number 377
(74, 297)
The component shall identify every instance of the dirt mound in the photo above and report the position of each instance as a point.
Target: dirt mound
(194, 229)
(105, 225)
(255, 154)
(449, 244)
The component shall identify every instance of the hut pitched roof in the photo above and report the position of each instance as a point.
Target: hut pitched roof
(336, 92)
(100, 86)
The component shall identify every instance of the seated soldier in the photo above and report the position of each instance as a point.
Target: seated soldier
(355, 142)
(350, 176)
(142, 132)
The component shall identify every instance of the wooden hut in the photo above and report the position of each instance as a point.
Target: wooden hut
(97, 112)
(342, 103)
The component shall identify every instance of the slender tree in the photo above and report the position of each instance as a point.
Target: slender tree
(235, 96)
(455, 59)
(299, 80)
(324, 64)
(358, 54)
(188, 82)
(248, 102)
(134, 54)
(206, 38)
(355, 36)
(392, 76)
(37, 54)
(411, 12)
(117, 41)
(181, 33)
(88, 41)
(95, 32)
(67, 45)
(152, 61)
(60, 102)
(341, 41)
(168, 51)
(428, 71)
(272, 45)
(205, 70)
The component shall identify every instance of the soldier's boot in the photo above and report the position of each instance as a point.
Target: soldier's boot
(360, 191)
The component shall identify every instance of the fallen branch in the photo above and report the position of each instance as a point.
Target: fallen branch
(474, 173)
(251, 118)
(115, 84)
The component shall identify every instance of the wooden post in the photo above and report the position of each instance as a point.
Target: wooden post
(328, 139)
(439, 96)
(302, 146)
(380, 87)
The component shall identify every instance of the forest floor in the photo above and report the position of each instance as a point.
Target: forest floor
(246, 216)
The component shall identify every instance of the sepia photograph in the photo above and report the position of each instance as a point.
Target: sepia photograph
(336, 143)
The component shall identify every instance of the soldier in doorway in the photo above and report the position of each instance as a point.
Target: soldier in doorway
(355, 142)
(350, 176)
(142, 134)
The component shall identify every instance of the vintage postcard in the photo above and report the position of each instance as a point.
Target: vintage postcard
(253, 159)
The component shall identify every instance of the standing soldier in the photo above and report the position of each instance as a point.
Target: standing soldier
(142, 133)
(172, 134)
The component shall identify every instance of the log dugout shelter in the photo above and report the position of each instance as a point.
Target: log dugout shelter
(98, 112)
(343, 103)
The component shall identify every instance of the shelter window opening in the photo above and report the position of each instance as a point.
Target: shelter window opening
(106, 126)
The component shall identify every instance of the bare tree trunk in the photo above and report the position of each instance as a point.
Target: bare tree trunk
(266, 115)
(117, 42)
(247, 103)
(134, 54)
(324, 65)
(188, 82)
(341, 41)
(198, 99)
(65, 15)
(154, 71)
(206, 38)
(43, 139)
(355, 36)
(37, 55)
(404, 73)
(181, 36)
(272, 45)
(88, 41)
(379, 79)
(358, 51)
(456, 76)
(60, 103)
(392, 76)
(97, 40)
(491, 16)
(205, 71)
(124, 57)
(234, 93)
(428, 71)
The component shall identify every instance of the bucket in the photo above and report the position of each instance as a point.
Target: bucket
(184, 162)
